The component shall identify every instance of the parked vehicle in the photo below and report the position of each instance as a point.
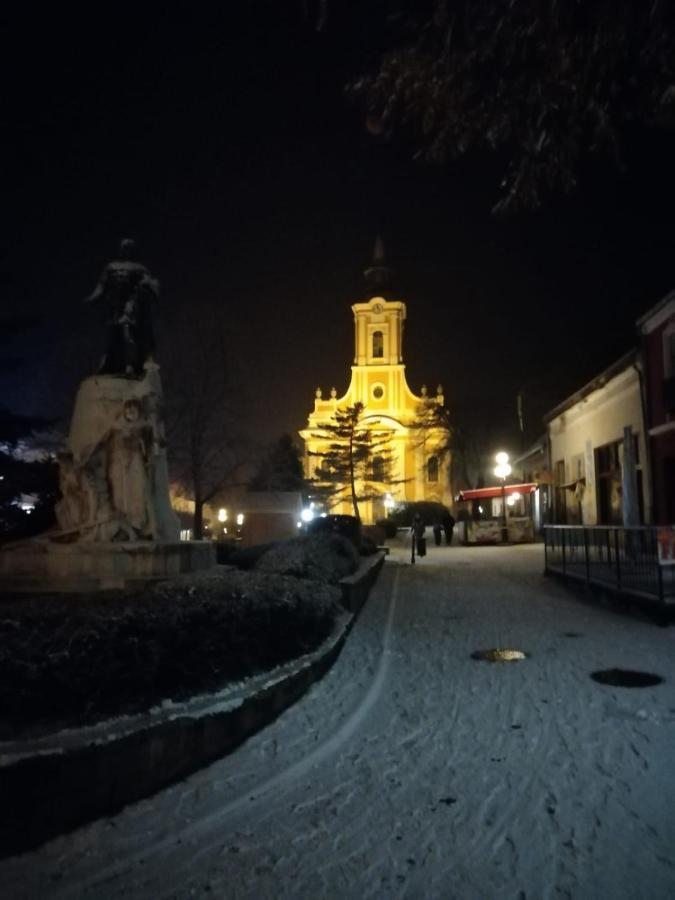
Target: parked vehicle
(347, 526)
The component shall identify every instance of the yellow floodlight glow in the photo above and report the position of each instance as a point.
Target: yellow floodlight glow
(502, 469)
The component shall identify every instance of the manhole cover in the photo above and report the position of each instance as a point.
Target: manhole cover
(626, 678)
(498, 655)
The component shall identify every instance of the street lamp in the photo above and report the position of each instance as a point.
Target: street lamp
(503, 470)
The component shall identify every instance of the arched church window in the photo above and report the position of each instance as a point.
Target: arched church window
(432, 468)
(378, 345)
(378, 468)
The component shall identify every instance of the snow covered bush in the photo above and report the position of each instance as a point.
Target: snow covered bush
(325, 557)
(71, 660)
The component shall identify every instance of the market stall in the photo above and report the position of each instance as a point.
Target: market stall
(499, 514)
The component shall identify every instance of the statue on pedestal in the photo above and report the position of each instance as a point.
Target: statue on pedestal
(117, 528)
(114, 475)
(130, 292)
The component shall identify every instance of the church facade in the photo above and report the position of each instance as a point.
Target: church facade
(378, 381)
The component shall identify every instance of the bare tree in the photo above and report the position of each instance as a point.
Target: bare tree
(280, 469)
(542, 82)
(432, 423)
(431, 430)
(203, 409)
(315, 12)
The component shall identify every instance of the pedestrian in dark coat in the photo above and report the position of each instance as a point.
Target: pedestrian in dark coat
(419, 542)
(448, 527)
(438, 531)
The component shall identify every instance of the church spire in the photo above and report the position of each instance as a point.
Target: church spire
(378, 275)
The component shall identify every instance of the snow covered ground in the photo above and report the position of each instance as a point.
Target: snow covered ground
(414, 771)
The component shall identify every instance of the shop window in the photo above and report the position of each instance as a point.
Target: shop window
(608, 484)
(378, 345)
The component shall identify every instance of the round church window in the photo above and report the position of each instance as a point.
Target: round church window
(378, 392)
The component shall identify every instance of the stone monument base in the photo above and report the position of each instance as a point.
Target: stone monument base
(48, 567)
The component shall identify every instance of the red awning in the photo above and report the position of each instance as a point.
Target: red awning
(487, 492)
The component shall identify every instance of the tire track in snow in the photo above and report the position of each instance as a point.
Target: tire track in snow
(200, 828)
(490, 824)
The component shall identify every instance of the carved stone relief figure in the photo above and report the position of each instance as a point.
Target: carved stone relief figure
(129, 452)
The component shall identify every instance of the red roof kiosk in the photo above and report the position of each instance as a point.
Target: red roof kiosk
(497, 512)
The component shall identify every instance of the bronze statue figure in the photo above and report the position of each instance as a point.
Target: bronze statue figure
(130, 291)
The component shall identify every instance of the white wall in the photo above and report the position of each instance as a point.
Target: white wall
(599, 419)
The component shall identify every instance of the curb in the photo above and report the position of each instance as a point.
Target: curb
(61, 782)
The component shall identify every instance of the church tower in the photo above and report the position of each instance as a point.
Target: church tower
(378, 381)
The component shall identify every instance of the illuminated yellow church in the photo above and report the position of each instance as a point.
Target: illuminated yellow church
(378, 382)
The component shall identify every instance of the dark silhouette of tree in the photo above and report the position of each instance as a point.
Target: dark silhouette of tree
(431, 430)
(315, 12)
(431, 425)
(206, 449)
(544, 82)
(358, 460)
(280, 469)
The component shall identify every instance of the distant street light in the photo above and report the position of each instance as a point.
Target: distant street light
(503, 470)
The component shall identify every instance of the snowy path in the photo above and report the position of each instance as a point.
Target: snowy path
(413, 771)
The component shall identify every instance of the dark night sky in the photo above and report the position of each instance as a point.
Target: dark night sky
(223, 142)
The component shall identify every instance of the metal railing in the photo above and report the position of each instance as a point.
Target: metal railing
(622, 560)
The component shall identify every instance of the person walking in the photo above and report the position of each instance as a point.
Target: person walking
(438, 532)
(419, 542)
(448, 527)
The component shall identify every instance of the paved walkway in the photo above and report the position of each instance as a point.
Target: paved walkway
(412, 770)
